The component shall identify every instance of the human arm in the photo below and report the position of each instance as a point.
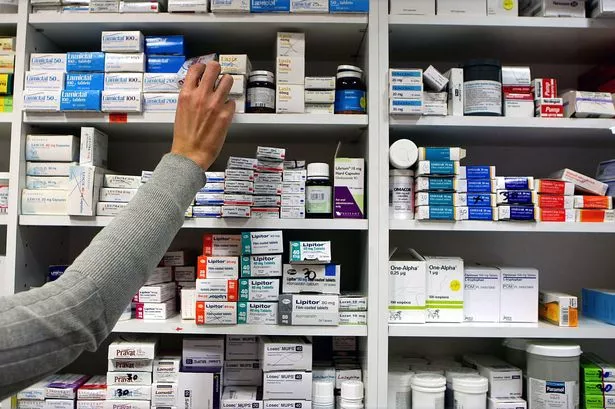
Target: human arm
(44, 329)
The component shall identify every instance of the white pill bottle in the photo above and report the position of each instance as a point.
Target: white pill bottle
(401, 194)
(428, 391)
(470, 391)
(351, 395)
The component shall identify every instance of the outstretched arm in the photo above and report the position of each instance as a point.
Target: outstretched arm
(45, 329)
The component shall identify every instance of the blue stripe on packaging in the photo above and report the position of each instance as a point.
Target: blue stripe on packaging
(79, 81)
(480, 186)
(441, 184)
(479, 172)
(512, 183)
(443, 167)
(481, 213)
(521, 213)
(407, 73)
(441, 199)
(521, 197)
(85, 62)
(437, 154)
(407, 102)
(442, 213)
(407, 88)
(479, 200)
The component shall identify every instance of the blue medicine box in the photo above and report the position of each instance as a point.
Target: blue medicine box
(599, 304)
(80, 101)
(83, 81)
(159, 64)
(270, 6)
(164, 45)
(56, 272)
(85, 62)
(348, 6)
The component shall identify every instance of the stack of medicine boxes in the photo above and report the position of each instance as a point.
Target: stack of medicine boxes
(165, 381)
(165, 56)
(238, 188)
(242, 369)
(61, 392)
(93, 393)
(48, 162)
(596, 374)
(184, 276)
(320, 95)
(310, 272)
(516, 199)
(119, 184)
(124, 67)
(33, 397)
(7, 69)
(290, 73)
(268, 183)
(129, 376)
(293, 193)
(448, 191)
(216, 284)
(259, 285)
(261, 269)
(239, 67)
(208, 201)
(436, 101)
(156, 299)
(45, 82)
(518, 98)
(86, 179)
(406, 91)
(287, 372)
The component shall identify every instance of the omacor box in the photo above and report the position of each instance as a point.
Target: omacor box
(218, 267)
(300, 309)
(285, 353)
(308, 278)
(257, 313)
(287, 385)
(215, 312)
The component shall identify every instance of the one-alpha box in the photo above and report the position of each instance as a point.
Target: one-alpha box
(407, 288)
(304, 309)
(444, 289)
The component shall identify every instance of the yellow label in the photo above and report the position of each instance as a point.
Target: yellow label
(4, 83)
(5, 109)
(455, 285)
(509, 4)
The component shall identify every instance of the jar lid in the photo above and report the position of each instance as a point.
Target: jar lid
(427, 369)
(348, 74)
(519, 344)
(318, 169)
(403, 154)
(554, 349)
(400, 378)
(402, 172)
(482, 61)
(470, 384)
(322, 392)
(346, 67)
(456, 372)
(352, 389)
(261, 75)
(428, 380)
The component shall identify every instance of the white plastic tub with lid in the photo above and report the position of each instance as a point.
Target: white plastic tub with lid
(553, 375)
(453, 373)
(514, 351)
(470, 391)
(400, 389)
(428, 391)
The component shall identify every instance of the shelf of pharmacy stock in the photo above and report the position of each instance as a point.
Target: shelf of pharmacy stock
(176, 325)
(501, 227)
(587, 329)
(204, 223)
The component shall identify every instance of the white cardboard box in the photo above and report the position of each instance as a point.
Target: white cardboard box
(285, 353)
(414, 7)
(47, 202)
(243, 373)
(290, 98)
(290, 70)
(444, 289)
(290, 44)
(156, 293)
(503, 8)
(241, 347)
(287, 385)
(203, 352)
(462, 7)
(83, 194)
(407, 288)
(52, 148)
(93, 147)
(481, 294)
(519, 284)
(198, 389)
(310, 278)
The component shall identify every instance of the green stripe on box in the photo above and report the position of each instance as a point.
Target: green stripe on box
(444, 302)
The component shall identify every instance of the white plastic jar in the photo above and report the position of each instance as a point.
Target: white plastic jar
(553, 375)
(351, 395)
(470, 391)
(428, 391)
(403, 154)
(322, 395)
(400, 390)
(449, 400)
(401, 194)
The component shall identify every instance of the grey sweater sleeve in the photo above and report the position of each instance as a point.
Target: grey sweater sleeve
(45, 329)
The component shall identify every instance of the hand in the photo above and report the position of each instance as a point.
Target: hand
(203, 115)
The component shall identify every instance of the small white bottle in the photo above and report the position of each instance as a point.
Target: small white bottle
(351, 395)
(322, 395)
(403, 154)
(470, 392)
(428, 391)
(401, 194)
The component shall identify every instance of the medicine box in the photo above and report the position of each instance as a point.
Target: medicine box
(164, 45)
(52, 148)
(243, 373)
(349, 188)
(108, 194)
(218, 267)
(85, 62)
(279, 404)
(216, 289)
(353, 302)
(235, 64)
(164, 393)
(124, 81)
(133, 350)
(581, 182)
(461, 7)
(93, 147)
(156, 311)
(122, 41)
(285, 353)
(300, 309)
(160, 82)
(80, 101)
(265, 242)
(287, 385)
(161, 64)
(204, 352)
(130, 364)
(259, 289)
(42, 101)
(290, 44)
(94, 389)
(239, 6)
(481, 294)
(290, 98)
(291, 70)
(261, 266)
(583, 104)
(46, 80)
(353, 317)
(319, 83)
(406, 106)
(310, 252)
(505, 381)
(83, 191)
(94, 81)
(59, 404)
(302, 6)
(348, 6)
(445, 290)
(235, 162)
(48, 61)
(129, 378)
(119, 62)
(104, 6)
(109, 209)
(126, 404)
(122, 181)
(160, 275)
(241, 347)
(156, 293)
(519, 284)
(309, 278)
(216, 313)
(221, 244)
(257, 312)
(237, 397)
(414, 8)
(558, 308)
(122, 101)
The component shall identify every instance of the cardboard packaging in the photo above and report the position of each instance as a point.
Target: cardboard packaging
(108, 194)
(559, 308)
(267, 242)
(217, 267)
(118, 62)
(287, 385)
(44, 80)
(243, 373)
(166, 369)
(160, 82)
(42, 101)
(285, 353)
(259, 289)
(132, 350)
(199, 390)
(505, 381)
(221, 244)
(216, 312)
(45, 183)
(238, 6)
(349, 188)
(122, 41)
(581, 182)
(290, 44)
(237, 397)
(290, 98)
(122, 101)
(461, 7)
(290, 70)
(583, 104)
(47, 202)
(445, 290)
(299, 309)
(241, 348)
(129, 378)
(188, 303)
(94, 81)
(157, 293)
(310, 252)
(93, 147)
(124, 81)
(308, 278)
(203, 352)
(122, 181)
(216, 289)
(519, 283)
(83, 194)
(481, 294)
(413, 8)
(156, 311)
(235, 64)
(52, 148)
(48, 61)
(257, 313)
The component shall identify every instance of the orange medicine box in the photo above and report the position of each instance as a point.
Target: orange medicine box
(555, 201)
(215, 312)
(554, 215)
(593, 202)
(559, 308)
(553, 187)
(217, 267)
(595, 216)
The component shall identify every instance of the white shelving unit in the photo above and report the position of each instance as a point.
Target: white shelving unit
(567, 254)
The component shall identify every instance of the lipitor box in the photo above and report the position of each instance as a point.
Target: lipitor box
(221, 244)
(218, 267)
(349, 188)
(130, 350)
(122, 101)
(257, 313)
(156, 293)
(310, 252)
(264, 242)
(287, 385)
(407, 288)
(122, 42)
(93, 147)
(83, 194)
(243, 373)
(309, 278)
(42, 101)
(259, 289)
(481, 294)
(216, 289)
(444, 289)
(300, 309)
(124, 81)
(216, 313)
(290, 44)
(44, 80)
(519, 283)
(129, 378)
(52, 148)
(48, 61)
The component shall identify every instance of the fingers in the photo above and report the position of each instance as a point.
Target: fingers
(221, 125)
(224, 87)
(208, 80)
(195, 72)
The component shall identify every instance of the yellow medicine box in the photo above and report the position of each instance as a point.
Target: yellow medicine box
(559, 309)
(6, 84)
